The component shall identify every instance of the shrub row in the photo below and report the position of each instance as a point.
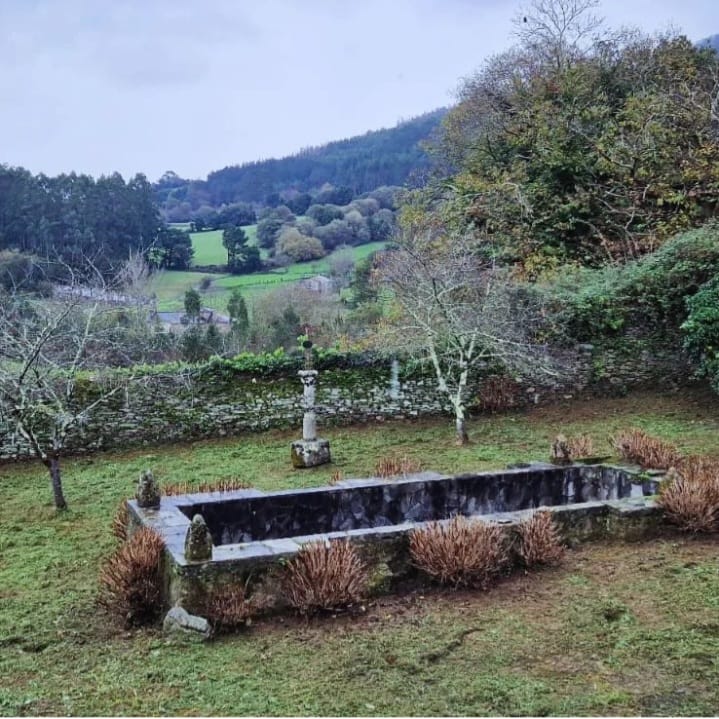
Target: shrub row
(331, 576)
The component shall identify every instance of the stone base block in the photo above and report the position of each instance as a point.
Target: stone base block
(310, 453)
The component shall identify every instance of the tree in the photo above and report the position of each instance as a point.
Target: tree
(324, 214)
(271, 222)
(51, 375)
(192, 345)
(192, 304)
(213, 340)
(299, 247)
(456, 310)
(233, 238)
(581, 147)
(241, 257)
(172, 250)
(239, 318)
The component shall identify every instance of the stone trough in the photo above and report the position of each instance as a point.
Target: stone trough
(253, 532)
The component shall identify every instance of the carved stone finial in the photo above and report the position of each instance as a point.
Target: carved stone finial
(198, 541)
(147, 493)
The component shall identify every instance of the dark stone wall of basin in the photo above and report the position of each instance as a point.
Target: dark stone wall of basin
(377, 503)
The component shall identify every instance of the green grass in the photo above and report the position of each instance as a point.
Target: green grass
(170, 286)
(209, 250)
(620, 629)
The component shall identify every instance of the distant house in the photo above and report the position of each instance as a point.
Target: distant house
(319, 283)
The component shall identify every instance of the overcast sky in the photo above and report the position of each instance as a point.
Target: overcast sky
(151, 85)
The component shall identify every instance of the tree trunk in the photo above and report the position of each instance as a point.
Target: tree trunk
(462, 436)
(53, 466)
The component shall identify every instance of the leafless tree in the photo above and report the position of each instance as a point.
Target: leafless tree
(458, 311)
(51, 376)
(557, 31)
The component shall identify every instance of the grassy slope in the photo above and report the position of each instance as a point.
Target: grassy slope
(170, 286)
(620, 629)
(208, 246)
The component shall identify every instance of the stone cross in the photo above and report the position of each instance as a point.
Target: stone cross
(310, 451)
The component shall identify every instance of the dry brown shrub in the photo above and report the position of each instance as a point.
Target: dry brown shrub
(337, 476)
(228, 607)
(325, 576)
(120, 521)
(650, 452)
(539, 541)
(221, 485)
(581, 446)
(461, 552)
(131, 579)
(689, 495)
(396, 466)
(498, 393)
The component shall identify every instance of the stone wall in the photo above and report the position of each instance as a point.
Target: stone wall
(203, 402)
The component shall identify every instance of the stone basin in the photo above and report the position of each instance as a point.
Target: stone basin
(253, 530)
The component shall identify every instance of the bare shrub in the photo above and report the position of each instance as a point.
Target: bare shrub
(581, 446)
(461, 552)
(325, 576)
(650, 452)
(120, 521)
(689, 495)
(560, 450)
(497, 393)
(221, 485)
(396, 466)
(131, 579)
(228, 608)
(539, 541)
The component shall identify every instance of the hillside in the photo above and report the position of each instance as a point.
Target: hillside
(362, 163)
(711, 41)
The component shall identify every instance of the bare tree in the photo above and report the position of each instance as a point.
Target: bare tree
(455, 309)
(558, 31)
(48, 348)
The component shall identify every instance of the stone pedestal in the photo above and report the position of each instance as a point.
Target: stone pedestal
(310, 453)
(309, 426)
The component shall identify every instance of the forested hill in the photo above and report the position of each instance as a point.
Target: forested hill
(362, 163)
(711, 41)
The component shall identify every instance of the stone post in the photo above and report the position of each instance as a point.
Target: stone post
(198, 541)
(309, 419)
(147, 493)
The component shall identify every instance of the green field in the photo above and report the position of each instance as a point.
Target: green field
(209, 250)
(170, 286)
(619, 629)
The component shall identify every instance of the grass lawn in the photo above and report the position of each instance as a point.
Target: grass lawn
(170, 285)
(618, 629)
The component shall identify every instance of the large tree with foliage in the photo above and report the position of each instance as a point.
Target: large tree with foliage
(583, 145)
(241, 256)
(70, 219)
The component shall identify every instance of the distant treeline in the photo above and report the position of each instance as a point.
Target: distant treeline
(76, 221)
(359, 164)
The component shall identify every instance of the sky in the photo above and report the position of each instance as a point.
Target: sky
(192, 86)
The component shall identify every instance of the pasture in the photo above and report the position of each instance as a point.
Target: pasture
(170, 286)
(617, 629)
(209, 250)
